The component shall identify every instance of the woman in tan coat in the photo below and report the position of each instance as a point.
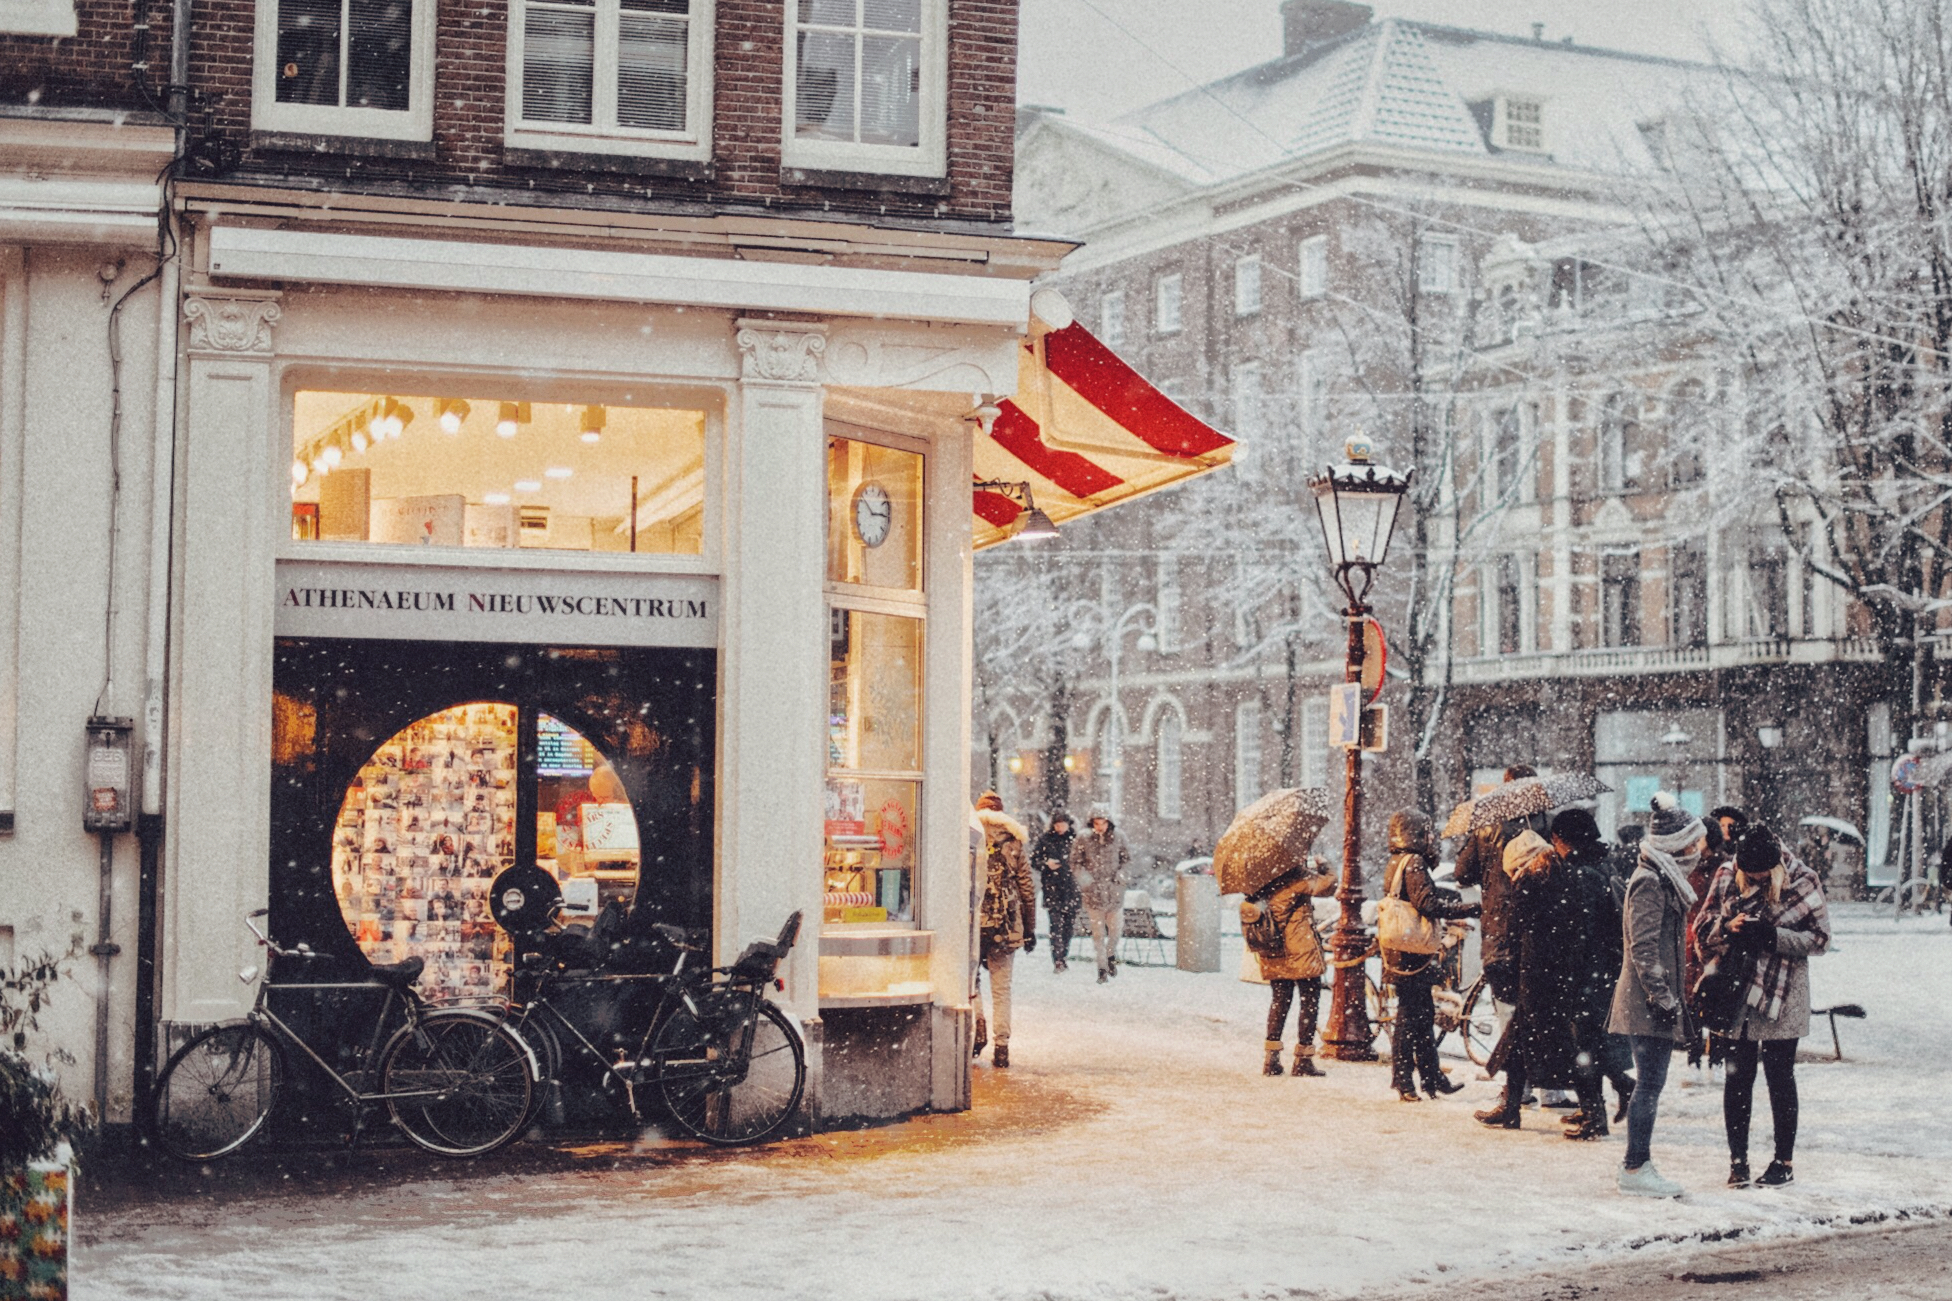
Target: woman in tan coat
(1298, 967)
(1007, 918)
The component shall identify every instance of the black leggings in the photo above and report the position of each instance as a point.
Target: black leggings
(1284, 992)
(1778, 1057)
(1413, 1040)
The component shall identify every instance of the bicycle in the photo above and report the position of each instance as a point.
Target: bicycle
(724, 1061)
(458, 1082)
(1457, 1010)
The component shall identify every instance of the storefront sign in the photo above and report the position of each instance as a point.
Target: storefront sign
(432, 603)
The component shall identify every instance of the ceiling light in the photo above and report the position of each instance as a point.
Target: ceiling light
(332, 455)
(321, 467)
(557, 472)
(594, 419)
(513, 416)
(395, 415)
(359, 440)
(527, 485)
(452, 411)
(300, 472)
(496, 499)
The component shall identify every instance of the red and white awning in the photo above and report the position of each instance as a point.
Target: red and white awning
(1086, 431)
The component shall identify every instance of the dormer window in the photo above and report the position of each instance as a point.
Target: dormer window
(1519, 124)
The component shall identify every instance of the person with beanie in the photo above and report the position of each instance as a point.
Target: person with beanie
(1006, 918)
(1413, 1037)
(1297, 969)
(1099, 861)
(1647, 1003)
(1767, 907)
(1576, 838)
(1052, 859)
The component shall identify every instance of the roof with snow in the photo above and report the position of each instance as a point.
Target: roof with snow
(1418, 86)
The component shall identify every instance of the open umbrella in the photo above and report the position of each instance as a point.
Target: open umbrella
(1837, 825)
(1269, 837)
(1529, 795)
(1459, 820)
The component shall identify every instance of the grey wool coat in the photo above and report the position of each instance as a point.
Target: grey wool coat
(1648, 997)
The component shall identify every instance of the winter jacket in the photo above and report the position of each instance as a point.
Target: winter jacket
(1798, 944)
(1098, 864)
(1009, 907)
(1600, 907)
(1052, 859)
(1549, 937)
(1301, 944)
(1481, 862)
(1647, 995)
(1412, 849)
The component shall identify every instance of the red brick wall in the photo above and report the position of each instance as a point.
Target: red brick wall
(470, 95)
(89, 69)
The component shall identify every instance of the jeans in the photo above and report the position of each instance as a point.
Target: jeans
(1107, 928)
(1651, 1054)
(1284, 992)
(1063, 922)
(1413, 1040)
(999, 964)
(1778, 1058)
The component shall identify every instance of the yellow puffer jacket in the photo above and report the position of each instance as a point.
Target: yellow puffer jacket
(1301, 957)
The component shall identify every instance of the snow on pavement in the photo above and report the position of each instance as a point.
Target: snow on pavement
(1133, 1151)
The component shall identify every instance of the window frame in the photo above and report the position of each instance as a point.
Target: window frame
(929, 158)
(1169, 766)
(1160, 297)
(38, 18)
(1247, 752)
(414, 123)
(1428, 283)
(1249, 289)
(1311, 267)
(693, 144)
(1507, 120)
(1111, 317)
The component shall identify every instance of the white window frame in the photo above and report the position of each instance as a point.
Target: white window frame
(929, 158)
(1169, 767)
(1311, 267)
(1168, 302)
(1314, 741)
(694, 143)
(1247, 753)
(1247, 285)
(1111, 317)
(415, 122)
(1522, 114)
(1437, 275)
(38, 17)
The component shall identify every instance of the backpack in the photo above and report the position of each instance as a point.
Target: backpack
(1264, 935)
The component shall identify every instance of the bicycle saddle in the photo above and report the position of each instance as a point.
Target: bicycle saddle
(400, 975)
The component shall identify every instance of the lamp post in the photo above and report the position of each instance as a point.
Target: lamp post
(1114, 764)
(1357, 503)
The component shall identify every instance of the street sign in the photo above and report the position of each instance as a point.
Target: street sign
(1375, 728)
(1345, 715)
(1375, 658)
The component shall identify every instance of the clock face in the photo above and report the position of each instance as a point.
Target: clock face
(874, 513)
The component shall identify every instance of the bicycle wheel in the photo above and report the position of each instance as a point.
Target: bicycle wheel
(216, 1092)
(1382, 1004)
(1476, 1026)
(459, 1083)
(733, 1073)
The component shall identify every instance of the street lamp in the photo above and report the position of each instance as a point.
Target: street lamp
(1148, 640)
(1357, 503)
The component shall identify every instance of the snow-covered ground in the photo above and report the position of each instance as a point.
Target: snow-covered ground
(1133, 1151)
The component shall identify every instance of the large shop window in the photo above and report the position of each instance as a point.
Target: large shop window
(874, 720)
(345, 67)
(865, 85)
(631, 76)
(483, 471)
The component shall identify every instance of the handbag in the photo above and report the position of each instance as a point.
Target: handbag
(1401, 927)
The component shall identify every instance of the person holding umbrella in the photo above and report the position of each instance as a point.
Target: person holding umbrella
(1480, 862)
(1052, 858)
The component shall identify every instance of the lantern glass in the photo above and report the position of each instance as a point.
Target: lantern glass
(1357, 506)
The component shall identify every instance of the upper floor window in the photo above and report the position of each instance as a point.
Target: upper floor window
(1247, 285)
(1111, 318)
(1313, 270)
(345, 67)
(1437, 264)
(1521, 123)
(866, 85)
(632, 76)
(1166, 293)
(37, 17)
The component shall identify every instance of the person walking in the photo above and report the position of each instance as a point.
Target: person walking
(1052, 858)
(1098, 862)
(1294, 973)
(1647, 1003)
(1006, 918)
(1548, 937)
(1413, 1040)
(1576, 839)
(1767, 909)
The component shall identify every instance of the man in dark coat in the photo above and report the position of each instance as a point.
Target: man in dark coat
(1576, 839)
(1480, 862)
(1052, 859)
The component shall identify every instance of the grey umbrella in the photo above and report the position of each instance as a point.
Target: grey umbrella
(1268, 837)
(1529, 795)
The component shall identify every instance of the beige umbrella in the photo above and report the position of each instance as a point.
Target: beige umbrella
(1459, 820)
(1269, 837)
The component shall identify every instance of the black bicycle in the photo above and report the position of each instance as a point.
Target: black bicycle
(719, 1057)
(457, 1081)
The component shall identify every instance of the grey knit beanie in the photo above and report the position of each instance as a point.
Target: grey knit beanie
(1669, 817)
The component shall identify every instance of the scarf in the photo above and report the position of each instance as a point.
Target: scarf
(1800, 907)
(1660, 854)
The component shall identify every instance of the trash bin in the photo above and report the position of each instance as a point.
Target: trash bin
(1198, 931)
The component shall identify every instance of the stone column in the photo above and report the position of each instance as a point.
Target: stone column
(231, 466)
(773, 696)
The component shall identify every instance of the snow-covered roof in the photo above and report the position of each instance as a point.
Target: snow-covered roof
(1409, 85)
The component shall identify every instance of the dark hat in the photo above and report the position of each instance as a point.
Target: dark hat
(1518, 771)
(1669, 817)
(1632, 833)
(1730, 812)
(1576, 827)
(1760, 852)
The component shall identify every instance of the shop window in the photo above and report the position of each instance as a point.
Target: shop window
(490, 472)
(874, 761)
(346, 67)
(866, 85)
(874, 515)
(629, 76)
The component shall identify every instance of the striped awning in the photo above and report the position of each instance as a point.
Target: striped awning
(1086, 431)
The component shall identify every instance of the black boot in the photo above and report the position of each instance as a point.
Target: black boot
(1620, 1112)
(1442, 1085)
(1305, 1065)
(1588, 1129)
(1502, 1116)
(1738, 1172)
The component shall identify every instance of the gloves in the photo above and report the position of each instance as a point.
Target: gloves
(1472, 910)
(1760, 935)
(1030, 944)
(1664, 1017)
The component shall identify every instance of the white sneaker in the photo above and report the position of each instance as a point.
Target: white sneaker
(1647, 1182)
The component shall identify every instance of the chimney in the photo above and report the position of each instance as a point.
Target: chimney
(1306, 24)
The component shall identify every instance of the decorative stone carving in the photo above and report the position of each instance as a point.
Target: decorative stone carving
(935, 358)
(231, 325)
(780, 351)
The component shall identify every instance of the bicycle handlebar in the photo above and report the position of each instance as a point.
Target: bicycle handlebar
(266, 942)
